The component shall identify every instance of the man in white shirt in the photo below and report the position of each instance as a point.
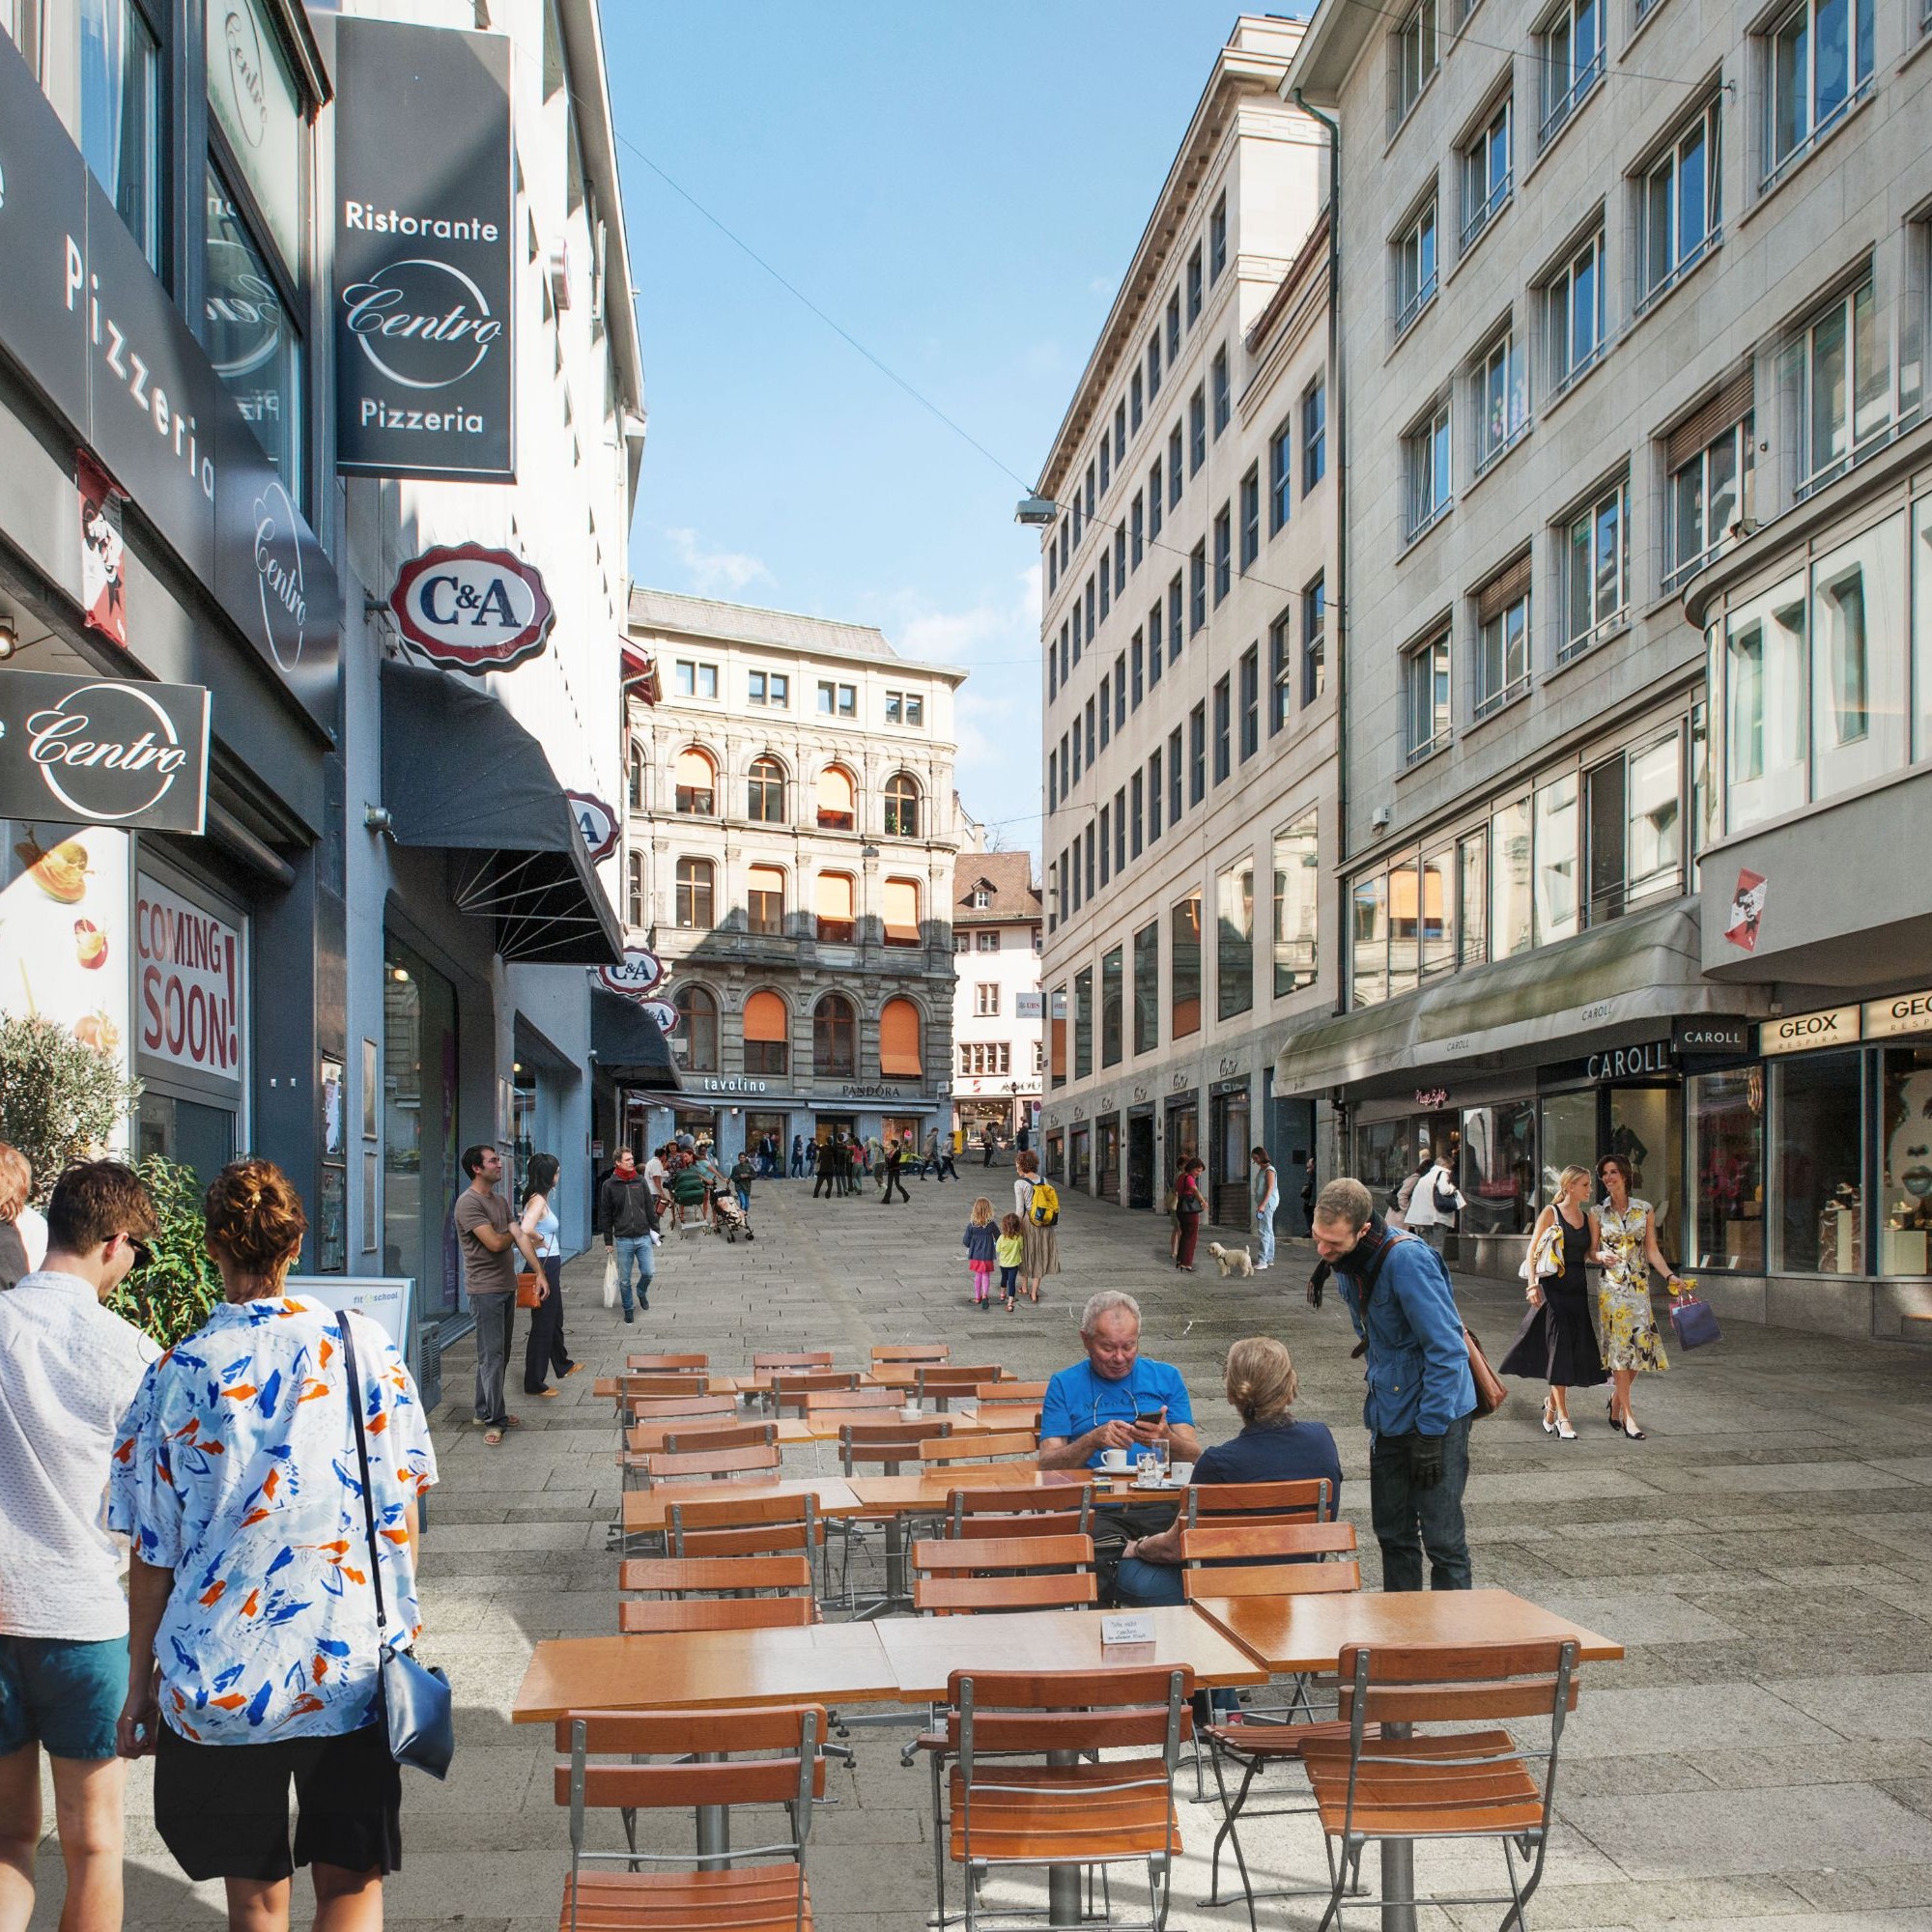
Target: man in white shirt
(68, 1371)
(1434, 1204)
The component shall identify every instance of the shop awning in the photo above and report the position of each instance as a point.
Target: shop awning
(627, 1044)
(1646, 967)
(460, 773)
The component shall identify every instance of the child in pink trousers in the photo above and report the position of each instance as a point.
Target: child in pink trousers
(982, 1241)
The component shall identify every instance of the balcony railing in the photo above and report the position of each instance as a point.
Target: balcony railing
(1416, 304)
(1665, 283)
(1488, 706)
(1782, 164)
(1583, 640)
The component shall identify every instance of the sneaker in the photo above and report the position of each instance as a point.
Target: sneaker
(628, 1315)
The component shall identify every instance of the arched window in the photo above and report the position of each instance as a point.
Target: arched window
(837, 800)
(697, 1032)
(901, 912)
(694, 895)
(767, 1034)
(636, 773)
(765, 901)
(899, 1042)
(765, 791)
(696, 783)
(835, 1038)
(903, 806)
(832, 904)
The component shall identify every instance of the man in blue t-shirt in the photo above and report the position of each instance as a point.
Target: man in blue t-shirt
(1115, 1399)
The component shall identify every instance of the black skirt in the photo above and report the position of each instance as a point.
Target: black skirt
(1556, 1342)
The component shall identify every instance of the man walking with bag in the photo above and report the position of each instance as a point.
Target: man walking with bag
(1434, 1203)
(629, 1219)
(1421, 1395)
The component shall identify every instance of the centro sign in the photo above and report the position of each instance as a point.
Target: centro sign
(103, 752)
(472, 610)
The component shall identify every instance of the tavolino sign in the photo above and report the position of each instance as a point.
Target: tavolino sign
(89, 751)
(424, 253)
(473, 609)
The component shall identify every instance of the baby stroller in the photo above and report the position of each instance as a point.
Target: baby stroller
(728, 1219)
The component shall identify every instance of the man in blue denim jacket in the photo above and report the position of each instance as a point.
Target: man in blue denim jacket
(1421, 1397)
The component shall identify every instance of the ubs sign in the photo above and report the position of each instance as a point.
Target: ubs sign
(423, 252)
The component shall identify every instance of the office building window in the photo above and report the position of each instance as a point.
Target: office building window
(1155, 654)
(1502, 640)
(120, 132)
(1314, 639)
(1184, 961)
(1314, 434)
(1573, 301)
(1223, 731)
(1425, 460)
(1120, 830)
(1411, 59)
(1501, 398)
(1596, 572)
(1297, 898)
(1106, 584)
(1197, 588)
(1571, 41)
(835, 1038)
(1839, 367)
(1251, 702)
(1820, 59)
(1680, 207)
(1488, 176)
(1196, 753)
(1281, 477)
(1083, 1023)
(1147, 987)
(835, 800)
(837, 700)
(1136, 539)
(694, 901)
(1154, 795)
(1138, 648)
(1106, 711)
(1156, 499)
(1173, 329)
(1174, 770)
(1106, 847)
(765, 901)
(256, 346)
(1710, 482)
(1224, 397)
(1415, 275)
(1218, 239)
(1119, 691)
(1196, 430)
(1120, 559)
(769, 687)
(1235, 941)
(1154, 365)
(1424, 699)
(695, 783)
(1195, 285)
(1136, 807)
(697, 1029)
(1056, 1036)
(835, 898)
(634, 898)
(1134, 407)
(1175, 473)
(1281, 670)
(1224, 552)
(1175, 635)
(765, 790)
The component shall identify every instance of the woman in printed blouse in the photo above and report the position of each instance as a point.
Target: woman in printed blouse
(253, 1650)
(1627, 1228)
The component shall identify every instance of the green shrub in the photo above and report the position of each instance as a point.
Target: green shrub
(60, 1098)
(173, 1295)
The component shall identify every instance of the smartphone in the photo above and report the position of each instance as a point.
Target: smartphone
(1149, 1418)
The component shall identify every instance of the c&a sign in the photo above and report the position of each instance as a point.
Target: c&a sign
(469, 609)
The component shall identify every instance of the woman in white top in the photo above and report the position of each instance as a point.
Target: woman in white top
(1434, 1203)
(545, 1350)
(1042, 1244)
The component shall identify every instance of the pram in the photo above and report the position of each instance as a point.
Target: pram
(728, 1219)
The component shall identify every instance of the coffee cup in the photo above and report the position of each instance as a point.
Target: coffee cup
(1181, 1472)
(910, 1413)
(1115, 1460)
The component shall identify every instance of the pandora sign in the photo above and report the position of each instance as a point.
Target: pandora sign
(423, 252)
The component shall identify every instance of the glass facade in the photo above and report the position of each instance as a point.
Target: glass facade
(1234, 942)
(1184, 966)
(1819, 1163)
(1725, 1142)
(1905, 1157)
(1111, 1000)
(1083, 1023)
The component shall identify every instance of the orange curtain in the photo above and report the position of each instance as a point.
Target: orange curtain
(901, 912)
(898, 1039)
(766, 1018)
(695, 769)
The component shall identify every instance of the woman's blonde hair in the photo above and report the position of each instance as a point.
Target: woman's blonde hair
(982, 1211)
(1262, 1382)
(1569, 1177)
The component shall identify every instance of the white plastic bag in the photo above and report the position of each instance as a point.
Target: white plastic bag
(609, 1277)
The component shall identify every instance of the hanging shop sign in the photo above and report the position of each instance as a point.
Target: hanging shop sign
(472, 610)
(1746, 913)
(664, 1014)
(86, 751)
(424, 252)
(1027, 1005)
(1710, 1034)
(637, 976)
(188, 1007)
(1797, 1033)
(598, 823)
(92, 327)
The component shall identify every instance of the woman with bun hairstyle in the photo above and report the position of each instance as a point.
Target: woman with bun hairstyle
(1272, 1447)
(545, 1348)
(253, 1650)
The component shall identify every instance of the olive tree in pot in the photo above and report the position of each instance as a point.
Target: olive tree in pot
(60, 1097)
(173, 1295)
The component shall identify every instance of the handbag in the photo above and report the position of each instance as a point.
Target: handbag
(417, 1704)
(1545, 1256)
(1491, 1391)
(527, 1286)
(1693, 1320)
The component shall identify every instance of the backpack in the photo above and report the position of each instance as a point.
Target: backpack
(1045, 1209)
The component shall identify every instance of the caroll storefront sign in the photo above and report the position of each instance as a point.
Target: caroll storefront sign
(103, 752)
(424, 252)
(637, 976)
(472, 610)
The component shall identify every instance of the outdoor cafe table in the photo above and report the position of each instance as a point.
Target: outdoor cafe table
(1297, 1633)
(648, 1510)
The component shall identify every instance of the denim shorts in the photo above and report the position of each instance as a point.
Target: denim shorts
(62, 1693)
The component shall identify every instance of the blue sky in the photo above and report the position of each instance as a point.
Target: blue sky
(960, 188)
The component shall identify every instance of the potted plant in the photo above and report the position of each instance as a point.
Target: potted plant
(172, 1297)
(60, 1097)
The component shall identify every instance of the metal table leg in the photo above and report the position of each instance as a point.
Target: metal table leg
(714, 1829)
(1398, 1869)
(1062, 1881)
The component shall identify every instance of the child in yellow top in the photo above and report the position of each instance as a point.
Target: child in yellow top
(1007, 1251)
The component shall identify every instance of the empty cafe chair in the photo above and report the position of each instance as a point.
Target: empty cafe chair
(953, 1575)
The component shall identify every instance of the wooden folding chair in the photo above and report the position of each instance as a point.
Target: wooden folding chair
(750, 1526)
(717, 1593)
(650, 1408)
(1383, 1781)
(753, 1459)
(887, 1447)
(817, 1403)
(776, 1361)
(942, 1383)
(1056, 1512)
(1010, 1395)
(693, 1432)
(1260, 1502)
(991, 1809)
(978, 1448)
(708, 1759)
(899, 1354)
(666, 1364)
(793, 1389)
(1011, 1572)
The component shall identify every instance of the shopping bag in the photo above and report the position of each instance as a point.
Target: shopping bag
(609, 1277)
(1693, 1323)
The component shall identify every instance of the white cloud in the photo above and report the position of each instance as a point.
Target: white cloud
(715, 572)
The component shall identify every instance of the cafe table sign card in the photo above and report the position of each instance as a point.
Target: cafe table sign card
(1127, 1627)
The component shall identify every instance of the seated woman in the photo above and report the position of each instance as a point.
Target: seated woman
(1272, 1447)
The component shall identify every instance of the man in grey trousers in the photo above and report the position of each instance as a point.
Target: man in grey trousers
(489, 1239)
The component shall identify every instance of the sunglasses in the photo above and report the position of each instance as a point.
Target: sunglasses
(142, 1252)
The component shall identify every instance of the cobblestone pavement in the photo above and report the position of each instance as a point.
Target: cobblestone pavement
(1762, 1757)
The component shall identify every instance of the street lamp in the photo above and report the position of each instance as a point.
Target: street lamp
(1036, 511)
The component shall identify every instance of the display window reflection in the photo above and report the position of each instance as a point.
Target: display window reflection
(251, 338)
(1905, 1177)
(1499, 1169)
(1821, 1168)
(1724, 1146)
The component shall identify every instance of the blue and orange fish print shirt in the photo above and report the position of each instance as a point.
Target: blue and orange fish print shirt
(236, 1468)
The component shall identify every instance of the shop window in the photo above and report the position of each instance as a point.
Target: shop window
(1147, 987)
(695, 1037)
(251, 336)
(1184, 967)
(1056, 1027)
(1298, 891)
(1905, 1180)
(1820, 1160)
(767, 1034)
(1499, 1169)
(696, 794)
(837, 800)
(1083, 1023)
(1055, 1143)
(1112, 974)
(1368, 940)
(1857, 660)
(901, 897)
(835, 1038)
(1567, 1138)
(832, 907)
(899, 1055)
(764, 902)
(903, 807)
(1922, 624)
(1724, 1117)
(121, 115)
(1235, 941)
(765, 791)
(694, 895)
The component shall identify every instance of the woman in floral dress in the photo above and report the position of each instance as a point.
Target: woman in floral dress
(1627, 1228)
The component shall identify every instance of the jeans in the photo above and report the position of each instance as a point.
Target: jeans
(635, 1253)
(743, 1195)
(1265, 1234)
(543, 1349)
(1142, 1586)
(1408, 1521)
(495, 1316)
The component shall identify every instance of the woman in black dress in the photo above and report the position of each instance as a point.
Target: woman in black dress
(1556, 1342)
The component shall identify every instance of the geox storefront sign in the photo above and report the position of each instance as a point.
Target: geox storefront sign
(424, 260)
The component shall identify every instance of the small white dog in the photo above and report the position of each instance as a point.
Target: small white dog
(1234, 1261)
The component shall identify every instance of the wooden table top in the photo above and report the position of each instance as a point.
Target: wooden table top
(836, 1663)
(650, 1509)
(929, 1489)
(1307, 1633)
(923, 1651)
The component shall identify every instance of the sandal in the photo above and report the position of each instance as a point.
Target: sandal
(491, 1438)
